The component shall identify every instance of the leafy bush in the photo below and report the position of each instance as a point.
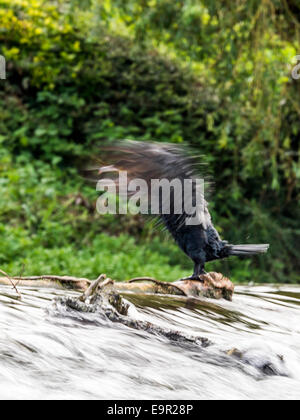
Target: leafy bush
(170, 71)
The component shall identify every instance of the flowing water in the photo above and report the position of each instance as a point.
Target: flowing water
(45, 353)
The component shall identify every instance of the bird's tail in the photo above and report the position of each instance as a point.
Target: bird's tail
(247, 250)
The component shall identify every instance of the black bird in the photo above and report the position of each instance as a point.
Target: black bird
(151, 160)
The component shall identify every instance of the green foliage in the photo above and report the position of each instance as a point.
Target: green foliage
(210, 73)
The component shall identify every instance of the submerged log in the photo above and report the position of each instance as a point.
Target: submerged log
(211, 285)
(102, 298)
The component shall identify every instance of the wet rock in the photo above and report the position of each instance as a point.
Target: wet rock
(262, 358)
(211, 285)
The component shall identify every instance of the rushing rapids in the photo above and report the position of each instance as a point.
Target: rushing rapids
(103, 344)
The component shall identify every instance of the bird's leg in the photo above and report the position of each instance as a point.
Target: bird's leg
(198, 270)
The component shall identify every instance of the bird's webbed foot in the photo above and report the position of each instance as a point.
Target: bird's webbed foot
(198, 271)
(194, 277)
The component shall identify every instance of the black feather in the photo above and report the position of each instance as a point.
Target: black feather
(150, 160)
